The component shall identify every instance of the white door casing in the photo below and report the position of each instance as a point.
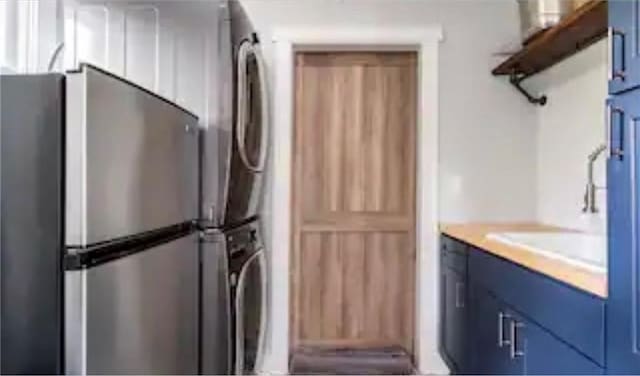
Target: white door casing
(426, 42)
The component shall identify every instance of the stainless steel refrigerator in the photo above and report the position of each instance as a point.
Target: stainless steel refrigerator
(99, 264)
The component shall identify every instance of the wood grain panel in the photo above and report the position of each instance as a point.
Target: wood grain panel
(353, 261)
(356, 288)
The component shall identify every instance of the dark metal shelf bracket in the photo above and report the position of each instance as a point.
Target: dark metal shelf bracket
(516, 81)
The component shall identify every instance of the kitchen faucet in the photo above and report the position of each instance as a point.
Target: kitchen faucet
(590, 191)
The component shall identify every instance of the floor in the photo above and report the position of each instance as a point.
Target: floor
(342, 361)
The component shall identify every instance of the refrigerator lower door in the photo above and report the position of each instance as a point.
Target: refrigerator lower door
(216, 307)
(135, 315)
(131, 159)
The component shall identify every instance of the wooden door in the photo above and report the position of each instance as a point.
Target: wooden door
(353, 254)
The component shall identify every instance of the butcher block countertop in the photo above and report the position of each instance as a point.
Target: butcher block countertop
(475, 234)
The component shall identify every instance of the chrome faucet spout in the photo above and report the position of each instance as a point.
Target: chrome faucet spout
(594, 154)
(590, 205)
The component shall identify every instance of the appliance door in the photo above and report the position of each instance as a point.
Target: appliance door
(135, 315)
(250, 314)
(131, 162)
(31, 232)
(250, 129)
(216, 306)
(245, 184)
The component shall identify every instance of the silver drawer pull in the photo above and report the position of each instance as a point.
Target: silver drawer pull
(616, 152)
(613, 73)
(513, 349)
(501, 340)
(459, 295)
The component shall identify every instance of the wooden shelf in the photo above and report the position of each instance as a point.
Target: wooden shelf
(578, 30)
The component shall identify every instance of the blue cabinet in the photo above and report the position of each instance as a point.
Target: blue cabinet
(454, 340)
(500, 318)
(623, 310)
(543, 354)
(507, 342)
(489, 342)
(453, 307)
(550, 303)
(624, 40)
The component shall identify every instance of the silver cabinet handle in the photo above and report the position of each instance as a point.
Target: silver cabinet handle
(459, 295)
(501, 340)
(617, 152)
(613, 73)
(514, 352)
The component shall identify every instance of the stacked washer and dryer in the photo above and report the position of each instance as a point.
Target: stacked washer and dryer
(234, 266)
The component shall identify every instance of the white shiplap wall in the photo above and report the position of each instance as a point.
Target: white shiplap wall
(30, 31)
(169, 47)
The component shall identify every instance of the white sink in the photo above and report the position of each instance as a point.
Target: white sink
(585, 250)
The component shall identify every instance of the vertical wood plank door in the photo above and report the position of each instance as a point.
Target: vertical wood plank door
(353, 254)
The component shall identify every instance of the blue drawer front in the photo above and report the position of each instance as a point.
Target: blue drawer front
(574, 316)
(455, 261)
(546, 355)
(451, 245)
(454, 254)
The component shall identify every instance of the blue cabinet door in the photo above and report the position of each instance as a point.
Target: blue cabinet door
(623, 310)
(624, 45)
(455, 340)
(535, 351)
(489, 321)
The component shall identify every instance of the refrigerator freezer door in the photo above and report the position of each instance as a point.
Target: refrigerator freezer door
(216, 307)
(135, 315)
(132, 159)
(31, 232)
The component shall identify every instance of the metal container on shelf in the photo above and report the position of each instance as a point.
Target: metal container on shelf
(538, 15)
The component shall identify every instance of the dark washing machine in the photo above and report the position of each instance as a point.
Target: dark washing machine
(248, 284)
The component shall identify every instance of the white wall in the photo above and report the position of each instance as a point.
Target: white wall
(570, 127)
(169, 47)
(487, 130)
(29, 34)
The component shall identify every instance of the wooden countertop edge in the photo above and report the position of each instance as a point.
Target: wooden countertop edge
(474, 234)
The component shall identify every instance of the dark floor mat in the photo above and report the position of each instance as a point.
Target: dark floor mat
(391, 360)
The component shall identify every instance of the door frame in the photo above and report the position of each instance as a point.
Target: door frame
(286, 42)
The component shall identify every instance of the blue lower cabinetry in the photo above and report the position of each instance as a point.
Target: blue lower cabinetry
(493, 335)
(543, 354)
(488, 345)
(453, 308)
(623, 170)
(454, 336)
